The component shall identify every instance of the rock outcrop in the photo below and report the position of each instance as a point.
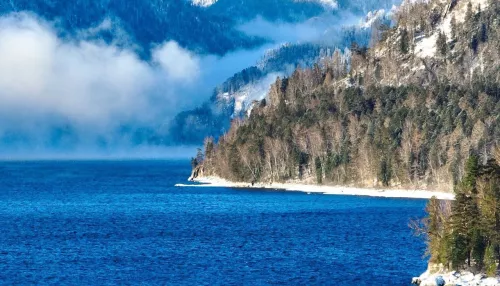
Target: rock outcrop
(196, 173)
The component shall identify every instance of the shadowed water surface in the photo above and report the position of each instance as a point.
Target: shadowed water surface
(124, 222)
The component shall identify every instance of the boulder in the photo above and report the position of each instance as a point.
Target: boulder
(440, 281)
(416, 281)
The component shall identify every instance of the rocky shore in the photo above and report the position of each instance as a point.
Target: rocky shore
(455, 278)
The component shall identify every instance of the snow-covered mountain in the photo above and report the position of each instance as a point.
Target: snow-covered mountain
(202, 26)
(425, 45)
(438, 47)
(237, 96)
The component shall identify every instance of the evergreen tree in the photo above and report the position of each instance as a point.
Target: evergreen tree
(404, 44)
(319, 170)
(385, 172)
(453, 25)
(199, 156)
(194, 163)
(442, 44)
(474, 43)
(474, 224)
(484, 33)
(471, 173)
(464, 217)
(468, 13)
(490, 261)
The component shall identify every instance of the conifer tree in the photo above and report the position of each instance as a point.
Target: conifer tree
(453, 25)
(464, 216)
(319, 170)
(474, 221)
(484, 33)
(468, 13)
(442, 44)
(385, 172)
(404, 44)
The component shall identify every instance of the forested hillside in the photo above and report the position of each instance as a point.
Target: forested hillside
(234, 97)
(407, 112)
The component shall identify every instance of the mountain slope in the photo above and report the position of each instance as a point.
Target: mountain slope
(233, 98)
(436, 49)
(147, 22)
(236, 96)
(396, 118)
(296, 10)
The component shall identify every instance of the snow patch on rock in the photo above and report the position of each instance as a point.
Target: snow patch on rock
(246, 95)
(371, 17)
(426, 47)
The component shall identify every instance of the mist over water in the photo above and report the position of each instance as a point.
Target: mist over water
(82, 94)
(120, 153)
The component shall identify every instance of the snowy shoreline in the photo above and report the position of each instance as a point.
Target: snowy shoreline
(327, 190)
(455, 278)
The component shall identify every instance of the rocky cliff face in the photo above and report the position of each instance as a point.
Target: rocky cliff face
(197, 172)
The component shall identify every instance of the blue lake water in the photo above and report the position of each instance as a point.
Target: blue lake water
(102, 223)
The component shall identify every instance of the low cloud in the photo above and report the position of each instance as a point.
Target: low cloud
(83, 92)
(83, 81)
(178, 64)
(323, 29)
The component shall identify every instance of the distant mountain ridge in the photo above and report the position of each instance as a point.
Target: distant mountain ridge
(157, 21)
(332, 4)
(238, 95)
(146, 22)
(233, 98)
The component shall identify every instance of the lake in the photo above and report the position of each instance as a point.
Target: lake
(124, 222)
